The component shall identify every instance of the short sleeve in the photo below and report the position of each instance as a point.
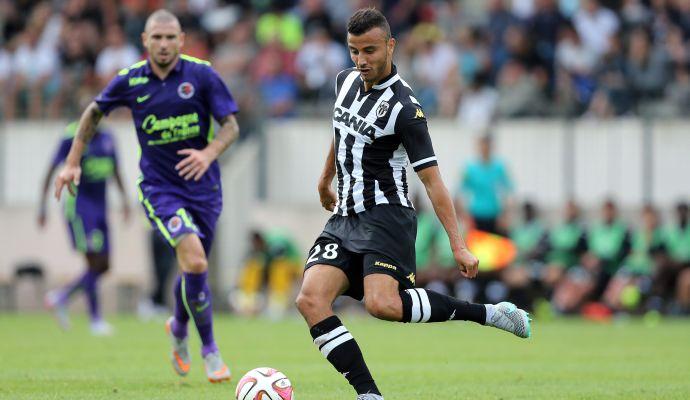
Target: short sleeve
(218, 96)
(412, 128)
(114, 95)
(62, 151)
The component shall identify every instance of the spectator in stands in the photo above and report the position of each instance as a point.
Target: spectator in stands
(277, 88)
(531, 240)
(595, 24)
(646, 67)
(318, 62)
(543, 28)
(280, 25)
(633, 281)
(485, 188)
(116, 55)
(500, 19)
(608, 244)
(575, 63)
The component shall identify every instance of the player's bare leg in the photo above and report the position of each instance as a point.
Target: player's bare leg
(384, 300)
(321, 286)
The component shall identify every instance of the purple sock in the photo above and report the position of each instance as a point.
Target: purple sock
(179, 324)
(90, 285)
(70, 289)
(197, 298)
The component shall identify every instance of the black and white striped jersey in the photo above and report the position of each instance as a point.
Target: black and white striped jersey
(375, 132)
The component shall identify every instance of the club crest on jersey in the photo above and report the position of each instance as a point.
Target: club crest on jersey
(354, 122)
(382, 109)
(185, 90)
(174, 224)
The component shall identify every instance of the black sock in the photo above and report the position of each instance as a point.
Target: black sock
(339, 347)
(421, 305)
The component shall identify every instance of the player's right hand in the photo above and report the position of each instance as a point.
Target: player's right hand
(69, 174)
(328, 197)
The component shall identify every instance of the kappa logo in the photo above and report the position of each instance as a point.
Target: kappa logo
(385, 265)
(174, 224)
(185, 90)
(382, 109)
(411, 277)
(419, 113)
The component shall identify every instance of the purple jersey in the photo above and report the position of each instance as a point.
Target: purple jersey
(97, 165)
(171, 115)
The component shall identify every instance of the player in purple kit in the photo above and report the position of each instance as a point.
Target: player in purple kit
(86, 219)
(173, 98)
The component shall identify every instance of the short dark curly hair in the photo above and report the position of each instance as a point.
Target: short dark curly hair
(366, 19)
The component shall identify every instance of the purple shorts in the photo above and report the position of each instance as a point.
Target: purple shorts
(174, 215)
(89, 233)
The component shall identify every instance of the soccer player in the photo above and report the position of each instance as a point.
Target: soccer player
(172, 98)
(85, 213)
(366, 249)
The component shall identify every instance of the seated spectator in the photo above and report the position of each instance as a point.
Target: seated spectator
(608, 244)
(633, 281)
(531, 240)
(567, 242)
(595, 24)
(666, 276)
(645, 67)
(277, 88)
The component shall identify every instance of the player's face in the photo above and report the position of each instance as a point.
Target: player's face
(372, 53)
(163, 41)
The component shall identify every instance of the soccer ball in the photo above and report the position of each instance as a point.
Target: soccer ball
(264, 384)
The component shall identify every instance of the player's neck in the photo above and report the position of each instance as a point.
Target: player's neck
(163, 72)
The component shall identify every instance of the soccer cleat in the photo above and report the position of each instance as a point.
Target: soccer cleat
(369, 396)
(101, 328)
(216, 370)
(179, 356)
(511, 319)
(58, 309)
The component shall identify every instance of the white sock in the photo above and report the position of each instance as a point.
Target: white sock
(490, 310)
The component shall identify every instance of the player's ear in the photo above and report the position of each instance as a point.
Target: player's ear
(182, 36)
(391, 45)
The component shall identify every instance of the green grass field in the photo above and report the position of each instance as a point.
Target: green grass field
(567, 359)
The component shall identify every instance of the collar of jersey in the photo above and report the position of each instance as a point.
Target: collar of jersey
(387, 81)
(149, 71)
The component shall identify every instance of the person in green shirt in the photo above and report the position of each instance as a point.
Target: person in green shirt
(608, 244)
(531, 240)
(633, 280)
(672, 276)
(567, 242)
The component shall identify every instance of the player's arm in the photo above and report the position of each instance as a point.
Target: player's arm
(411, 124)
(443, 207)
(123, 193)
(196, 162)
(326, 193)
(44, 195)
(71, 172)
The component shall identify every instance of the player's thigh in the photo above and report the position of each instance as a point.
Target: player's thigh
(190, 254)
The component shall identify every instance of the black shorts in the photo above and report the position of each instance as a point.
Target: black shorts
(377, 241)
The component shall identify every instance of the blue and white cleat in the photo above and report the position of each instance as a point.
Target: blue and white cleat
(58, 309)
(511, 319)
(369, 396)
(216, 370)
(181, 361)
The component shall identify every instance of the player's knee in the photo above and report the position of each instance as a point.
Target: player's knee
(196, 265)
(384, 307)
(308, 303)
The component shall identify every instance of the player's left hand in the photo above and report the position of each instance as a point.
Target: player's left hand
(467, 262)
(194, 165)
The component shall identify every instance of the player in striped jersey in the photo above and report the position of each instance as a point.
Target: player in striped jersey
(366, 249)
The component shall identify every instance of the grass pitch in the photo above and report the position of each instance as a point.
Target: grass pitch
(566, 359)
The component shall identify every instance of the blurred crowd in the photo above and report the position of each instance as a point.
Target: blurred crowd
(476, 60)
